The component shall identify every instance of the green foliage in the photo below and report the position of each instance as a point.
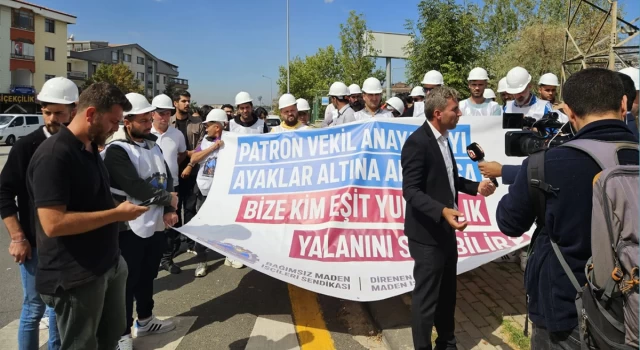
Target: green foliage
(356, 66)
(169, 88)
(444, 39)
(117, 74)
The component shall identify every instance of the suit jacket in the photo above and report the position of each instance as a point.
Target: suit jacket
(427, 191)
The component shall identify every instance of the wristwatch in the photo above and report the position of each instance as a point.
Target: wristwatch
(191, 165)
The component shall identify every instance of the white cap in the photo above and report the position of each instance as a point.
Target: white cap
(433, 77)
(372, 86)
(517, 80)
(139, 104)
(339, 89)
(286, 100)
(634, 73)
(162, 101)
(397, 104)
(478, 74)
(488, 93)
(243, 97)
(216, 115)
(354, 89)
(549, 79)
(59, 90)
(502, 85)
(303, 105)
(417, 91)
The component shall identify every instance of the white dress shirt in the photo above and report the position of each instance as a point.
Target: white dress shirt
(443, 143)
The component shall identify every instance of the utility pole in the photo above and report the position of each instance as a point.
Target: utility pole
(613, 34)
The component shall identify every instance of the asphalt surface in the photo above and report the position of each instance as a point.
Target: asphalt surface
(227, 303)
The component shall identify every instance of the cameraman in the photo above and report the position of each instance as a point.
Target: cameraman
(595, 104)
(495, 169)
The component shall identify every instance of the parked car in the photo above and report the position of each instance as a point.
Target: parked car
(273, 120)
(15, 126)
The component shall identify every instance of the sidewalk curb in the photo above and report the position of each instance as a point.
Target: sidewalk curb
(393, 318)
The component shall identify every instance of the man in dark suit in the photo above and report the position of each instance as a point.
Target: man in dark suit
(430, 187)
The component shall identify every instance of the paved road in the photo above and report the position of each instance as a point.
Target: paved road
(228, 309)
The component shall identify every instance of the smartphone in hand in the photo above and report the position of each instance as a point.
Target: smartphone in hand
(149, 202)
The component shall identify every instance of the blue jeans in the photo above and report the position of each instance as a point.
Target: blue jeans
(33, 308)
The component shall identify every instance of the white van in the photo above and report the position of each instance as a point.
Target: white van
(15, 126)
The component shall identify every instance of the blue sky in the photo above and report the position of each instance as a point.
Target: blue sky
(223, 47)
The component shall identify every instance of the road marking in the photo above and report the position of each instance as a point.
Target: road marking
(9, 336)
(307, 316)
(274, 333)
(165, 341)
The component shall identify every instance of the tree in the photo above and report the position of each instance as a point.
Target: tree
(117, 74)
(356, 66)
(260, 100)
(443, 39)
(169, 89)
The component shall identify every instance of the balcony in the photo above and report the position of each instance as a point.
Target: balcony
(77, 75)
(180, 83)
(22, 57)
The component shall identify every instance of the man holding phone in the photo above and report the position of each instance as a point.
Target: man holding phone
(430, 187)
(139, 174)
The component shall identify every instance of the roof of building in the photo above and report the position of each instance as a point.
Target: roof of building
(44, 8)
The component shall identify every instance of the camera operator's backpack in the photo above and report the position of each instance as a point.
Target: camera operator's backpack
(608, 303)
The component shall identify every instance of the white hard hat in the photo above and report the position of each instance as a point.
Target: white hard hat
(634, 73)
(517, 80)
(397, 104)
(417, 91)
(303, 105)
(243, 97)
(59, 90)
(286, 100)
(216, 115)
(478, 74)
(139, 104)
(354, 89)
(162, 101)
(433, 77)
(549, 79)
(339, 89)
(372, 86)
(488, 93)
(502, 85)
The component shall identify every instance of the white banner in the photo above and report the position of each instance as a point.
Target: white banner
(323, 209)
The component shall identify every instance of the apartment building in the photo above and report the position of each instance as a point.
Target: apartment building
(84, 58)
(32, 42)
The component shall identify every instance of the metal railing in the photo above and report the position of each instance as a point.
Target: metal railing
(23, 57)
(178, 81)
(76, 75)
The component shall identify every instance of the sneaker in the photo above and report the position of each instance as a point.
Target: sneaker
(154, 326)
(233, 263)
(171, 267)
(509, 258)
(125, 343)
(523, 260)
(191, 251)
(201, 270)
(44, 323)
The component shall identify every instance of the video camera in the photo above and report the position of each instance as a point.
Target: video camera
(534, 135)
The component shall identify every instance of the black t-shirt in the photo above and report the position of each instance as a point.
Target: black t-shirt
(62, 172)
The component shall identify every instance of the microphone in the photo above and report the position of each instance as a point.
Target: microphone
(475, 152)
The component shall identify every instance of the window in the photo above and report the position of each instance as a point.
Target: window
(127, 57)
(23, 50)
(19, 121)
(114, 56)
(22, 19)
(49, 53)
(68, 67)
(157, 78)
(140, 60)
(164, 79)
(140, 76)
(33, 120)
(94, 68)
(49, 25)
(157, 92)
(48, 76)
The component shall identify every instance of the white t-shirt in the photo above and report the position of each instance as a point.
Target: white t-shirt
(171, 143)
(365, 115)
(418, 109)
(257, 128)
(488, 108)
(207, 167)
(329, 115)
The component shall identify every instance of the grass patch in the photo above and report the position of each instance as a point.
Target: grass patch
(515, 335)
